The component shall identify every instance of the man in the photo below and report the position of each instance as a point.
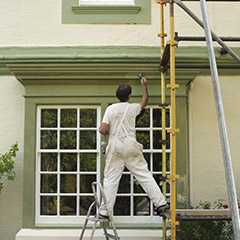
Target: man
(123, 150)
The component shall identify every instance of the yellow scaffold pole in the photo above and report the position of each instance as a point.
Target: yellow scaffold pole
(173, 129)
(162, 35)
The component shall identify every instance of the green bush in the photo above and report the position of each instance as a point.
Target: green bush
(206, 230)
(7, 164)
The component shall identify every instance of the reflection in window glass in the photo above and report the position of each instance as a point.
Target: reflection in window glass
(67, 161)
(68, 183)
(49, 118)
(88, 162)
(88, 139)
(48, 162)
(143, 137)
(68, 205)
(68, 139)
(68, 118)
(48, 183)
(124, 186)
(86, 181)
(48, 205)
(85, 202)
(144, 121)
(141, 206)
(122, 206)
(48, 139)
(88, 118)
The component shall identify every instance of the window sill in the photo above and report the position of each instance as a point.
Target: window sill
(140, 13)
(64, 234)
(106, 9)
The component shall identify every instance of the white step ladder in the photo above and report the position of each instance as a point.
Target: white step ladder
(104, 223)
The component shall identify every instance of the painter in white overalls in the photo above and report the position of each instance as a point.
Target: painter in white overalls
(123, 150)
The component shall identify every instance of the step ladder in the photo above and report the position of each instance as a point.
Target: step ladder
(104, 223)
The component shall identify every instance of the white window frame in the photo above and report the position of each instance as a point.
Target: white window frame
(41, 220)
(104, 3)
(151, 219)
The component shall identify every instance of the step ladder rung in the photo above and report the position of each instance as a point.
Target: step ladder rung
(99, 220)
(104, 222)
(111, 236)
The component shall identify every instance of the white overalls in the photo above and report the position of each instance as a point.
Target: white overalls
(127, 152)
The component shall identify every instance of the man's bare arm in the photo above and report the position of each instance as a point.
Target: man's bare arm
(103, 129)
(144, 102)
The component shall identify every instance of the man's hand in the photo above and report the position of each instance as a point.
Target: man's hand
(145, 93)
(144, 82)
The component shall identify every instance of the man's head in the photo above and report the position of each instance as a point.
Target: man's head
(123, 92)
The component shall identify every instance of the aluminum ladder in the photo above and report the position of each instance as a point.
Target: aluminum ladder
(104, 223)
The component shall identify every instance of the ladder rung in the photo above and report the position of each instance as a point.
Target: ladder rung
(99, 220)
(111, 236)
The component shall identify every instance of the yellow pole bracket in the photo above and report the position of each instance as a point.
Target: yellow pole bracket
(173, 177)
(173, 86)
(176, 223)
(162, 1)
(162, 35)
(172, 43)
(173, 131)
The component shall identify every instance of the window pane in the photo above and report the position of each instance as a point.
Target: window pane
(85, 203)
(48, 183)
(157, 136)
(144, 138)
(49, 118)
(157, 162)
(124, 185)
(88, 140)
(68, 162)
(48, 139)
(141, 206)
(68, 118)
(48, 205)
(144, 120)
(67, 205)
(48, 162)
(122, 206)
(88, 118)
(68, 183)
(85, 183)
(68, 139)
(88, 162)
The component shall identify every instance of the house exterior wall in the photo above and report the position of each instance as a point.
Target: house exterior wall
(207, 170)
(39, 23)
(12, 131)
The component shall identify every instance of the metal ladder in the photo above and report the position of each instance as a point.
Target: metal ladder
(104, 223)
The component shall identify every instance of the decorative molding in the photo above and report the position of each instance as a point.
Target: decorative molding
(105, 65)
(106, 9)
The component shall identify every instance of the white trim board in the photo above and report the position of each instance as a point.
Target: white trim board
(74, 234)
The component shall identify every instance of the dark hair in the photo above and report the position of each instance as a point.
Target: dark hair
(123, 91)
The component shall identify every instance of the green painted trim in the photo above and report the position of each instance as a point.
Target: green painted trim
(106, 9)
(138, 14)
(100, 95)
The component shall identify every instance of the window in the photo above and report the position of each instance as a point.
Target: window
(106, 2)
(106, 11)
(131, 200)
(67, 161)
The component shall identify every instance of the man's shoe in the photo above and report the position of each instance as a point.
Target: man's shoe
(161, 209)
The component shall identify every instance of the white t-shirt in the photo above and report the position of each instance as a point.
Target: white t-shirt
(114, 114)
